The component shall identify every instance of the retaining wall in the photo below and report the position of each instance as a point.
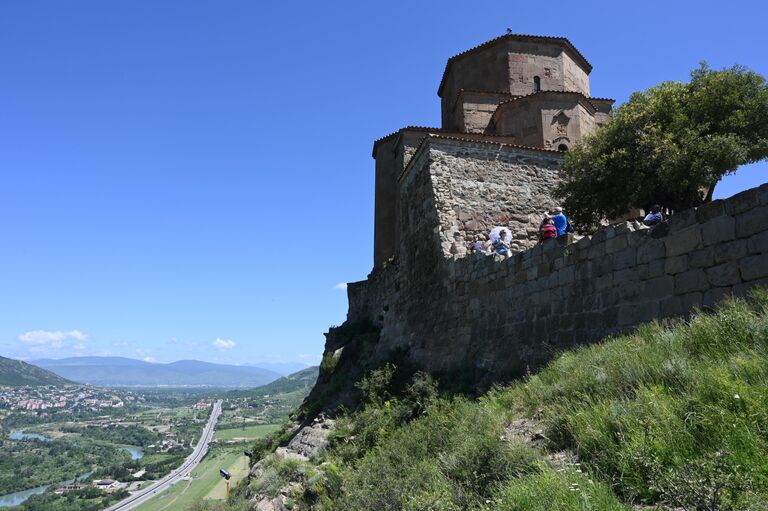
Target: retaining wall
(494, 319)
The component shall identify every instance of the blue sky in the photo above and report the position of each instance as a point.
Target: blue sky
(193, 179)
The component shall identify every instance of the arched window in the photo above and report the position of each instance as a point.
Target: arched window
(562, 148)
(536, 84)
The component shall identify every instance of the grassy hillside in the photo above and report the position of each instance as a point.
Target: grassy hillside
(300, 381)
(670, 417)
(16, 373)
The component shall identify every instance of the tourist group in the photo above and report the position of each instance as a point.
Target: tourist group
(552, 226)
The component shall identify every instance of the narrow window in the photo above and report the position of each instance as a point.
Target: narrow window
(536, 84)
(562, 148)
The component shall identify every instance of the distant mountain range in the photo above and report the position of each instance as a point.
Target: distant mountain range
(127, 372)
(16, 373)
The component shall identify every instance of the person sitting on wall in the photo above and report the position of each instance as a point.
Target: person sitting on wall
(501, 245)
(560, 221)
(547, 229)
(477, 247)
(654, 217)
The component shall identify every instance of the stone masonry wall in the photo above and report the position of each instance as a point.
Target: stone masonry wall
(478, 186)
(490, 319)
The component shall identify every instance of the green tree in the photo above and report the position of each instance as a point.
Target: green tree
(668, 145)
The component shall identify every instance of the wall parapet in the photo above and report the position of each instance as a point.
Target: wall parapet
(497, 319)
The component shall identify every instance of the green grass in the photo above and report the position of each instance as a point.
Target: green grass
(246, 433)
(206, 482)
(671, 415)
(205, 477)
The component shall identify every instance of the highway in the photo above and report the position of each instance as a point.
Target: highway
(190, 463)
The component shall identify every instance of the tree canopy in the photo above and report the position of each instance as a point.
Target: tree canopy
(668, 145)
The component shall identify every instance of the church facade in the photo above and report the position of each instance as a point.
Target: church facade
(510, 108)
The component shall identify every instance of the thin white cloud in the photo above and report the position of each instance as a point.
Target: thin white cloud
(55, 339)
(224, 344)
(151, 360)
(341, 286)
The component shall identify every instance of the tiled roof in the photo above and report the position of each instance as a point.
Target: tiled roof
(470, 91)
(411, 128)
(489, 140)
(563, 41)
(545, 92)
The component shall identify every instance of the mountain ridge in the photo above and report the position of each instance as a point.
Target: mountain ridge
(17, 373)
(126, 372)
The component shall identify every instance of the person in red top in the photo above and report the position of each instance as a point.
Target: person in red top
(547, 229)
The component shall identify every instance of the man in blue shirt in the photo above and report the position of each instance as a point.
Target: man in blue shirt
(654, 217)
(561, 223)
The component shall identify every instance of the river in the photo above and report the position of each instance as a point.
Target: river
(14, 499)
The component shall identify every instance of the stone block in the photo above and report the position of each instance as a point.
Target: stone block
(603, 282)
(656, 268)
(731, 251)
(614, 244)
(752, 222)
(681, 220)
(742, 202)
(603, 265)
(743, 288)
(754, 267)
(726, 274)
(718, 230)
(653, 249)
(566, 276)
(630, 291)
(625, 259)
(758, 243)
(716, 295)
(710, 210)
(690, 301)
(691, 280)
(670, 307)
(674, 265)
(659, 230)
(635, 313)
(683, 241)
(638, 238)
(622, 277)
(596, 250)
(549, 245)
(609, 298)
(762, 192)
(659, 287)
(701, 258)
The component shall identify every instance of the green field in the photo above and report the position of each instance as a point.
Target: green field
(205, 479)
(247, 432)
(206, 483)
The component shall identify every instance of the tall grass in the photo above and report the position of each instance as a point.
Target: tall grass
(673, 415)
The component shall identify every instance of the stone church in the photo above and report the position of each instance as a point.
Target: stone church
(510, 107)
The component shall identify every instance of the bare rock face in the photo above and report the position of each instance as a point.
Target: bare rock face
(310, 440)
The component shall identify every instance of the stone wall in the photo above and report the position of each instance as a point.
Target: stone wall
(477, 186)
(490, 319)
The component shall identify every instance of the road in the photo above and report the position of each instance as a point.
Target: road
(190, 463)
